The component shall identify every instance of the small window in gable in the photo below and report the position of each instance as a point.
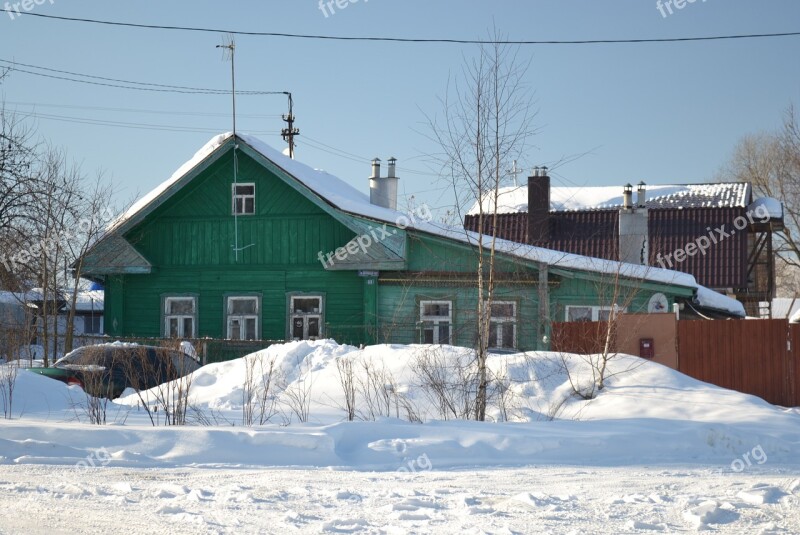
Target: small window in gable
(244, 199)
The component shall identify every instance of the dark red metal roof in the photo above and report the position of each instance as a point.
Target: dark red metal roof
(595, 233)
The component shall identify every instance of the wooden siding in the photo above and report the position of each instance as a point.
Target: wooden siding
(398, 312)
(342, 291)
(189, 239)
(196, 228)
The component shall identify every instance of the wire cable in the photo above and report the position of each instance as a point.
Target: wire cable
(161, 88)
(406, 39)
(138, 126)
(137, 110)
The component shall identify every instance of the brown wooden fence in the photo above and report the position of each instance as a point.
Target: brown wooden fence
(759, 357)
(750, 356)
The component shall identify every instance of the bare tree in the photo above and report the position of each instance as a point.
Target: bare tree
(50, 214)
(376, 386)
(258, 399)
(297, 394)
(344, 366)
(486, 126)
(93, 214)
(8, 380)
(19, 186)
(617, 293)
(771, 162)
(450, 382)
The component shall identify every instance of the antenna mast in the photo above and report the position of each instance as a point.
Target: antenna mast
(230, 48)
(515, 171)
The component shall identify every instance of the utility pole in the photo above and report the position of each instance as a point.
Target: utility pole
(288, 134)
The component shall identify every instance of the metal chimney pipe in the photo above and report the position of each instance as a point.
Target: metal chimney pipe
(376, 168)
(392, 167)
(627, 197)
(641, 194)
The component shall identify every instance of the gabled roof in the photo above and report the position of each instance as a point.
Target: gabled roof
(721, 195)
(353, 208)
(325, 187)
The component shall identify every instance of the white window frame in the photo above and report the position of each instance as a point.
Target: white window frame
(595, 311)
(244, 198)
(180, 318)
(230, 316)
(89, 320)
(435, 321)
(294, 315)
(497, 323)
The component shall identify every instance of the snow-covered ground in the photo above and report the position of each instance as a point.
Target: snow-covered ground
(654, 451)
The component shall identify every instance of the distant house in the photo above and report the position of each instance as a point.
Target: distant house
(87, 322)
(88, 313)
(245, 243)
(16, 324)
(718, 233)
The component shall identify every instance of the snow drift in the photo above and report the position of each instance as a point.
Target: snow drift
(646, 414)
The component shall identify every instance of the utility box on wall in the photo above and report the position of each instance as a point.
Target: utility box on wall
(647, 349)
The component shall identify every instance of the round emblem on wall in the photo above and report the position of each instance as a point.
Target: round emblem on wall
(658, 304)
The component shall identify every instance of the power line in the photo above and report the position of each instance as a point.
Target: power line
(411, 40)
(148, 86)
(137, 126)
(138, 110)
(320, 146)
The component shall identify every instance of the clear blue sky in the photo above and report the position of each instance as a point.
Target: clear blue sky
(663, 113)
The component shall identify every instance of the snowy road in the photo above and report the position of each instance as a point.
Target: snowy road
(59, 499)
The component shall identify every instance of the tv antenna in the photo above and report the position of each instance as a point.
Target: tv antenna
(229, 47)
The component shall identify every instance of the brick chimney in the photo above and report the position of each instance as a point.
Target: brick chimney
(539, 207)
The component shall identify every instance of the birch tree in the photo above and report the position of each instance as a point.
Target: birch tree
(485, 125)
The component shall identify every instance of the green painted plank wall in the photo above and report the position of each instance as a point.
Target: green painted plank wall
(189, 240)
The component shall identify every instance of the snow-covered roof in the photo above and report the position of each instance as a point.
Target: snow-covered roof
(770, 206)
(332, 189)
(346, 198)
(90, 300)
(723, 195)
(17, 298)
(785, 307)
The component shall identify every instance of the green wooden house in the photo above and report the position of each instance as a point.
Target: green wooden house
(245, 243)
